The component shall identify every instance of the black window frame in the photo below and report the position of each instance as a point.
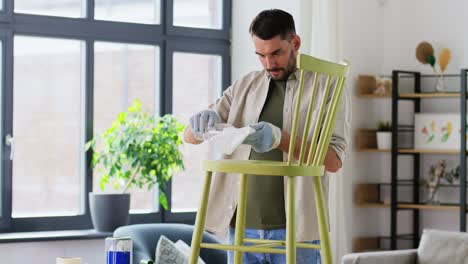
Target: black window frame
(7, 11)
(167, 37)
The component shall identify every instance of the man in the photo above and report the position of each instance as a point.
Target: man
(264, 100)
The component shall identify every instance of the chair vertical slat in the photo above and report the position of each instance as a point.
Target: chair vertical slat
(325, 134)
(308, 120)
(318, 127)
(292, 141)
(333, 119)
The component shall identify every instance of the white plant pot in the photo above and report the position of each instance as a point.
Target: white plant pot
(384, 140)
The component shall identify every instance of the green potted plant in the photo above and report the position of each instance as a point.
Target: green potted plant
(384, 135)
(139, 150)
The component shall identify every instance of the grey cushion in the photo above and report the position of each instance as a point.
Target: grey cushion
(441, 247)
(145, 238)
(382, 257)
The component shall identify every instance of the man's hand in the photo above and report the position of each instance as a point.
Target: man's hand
(265, 138)
(202, 121)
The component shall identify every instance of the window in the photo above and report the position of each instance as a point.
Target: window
(204, 83)
(198, 13)
(47, 115)
(69, 8)
(69, 67)
(135, 74)
(137, 11)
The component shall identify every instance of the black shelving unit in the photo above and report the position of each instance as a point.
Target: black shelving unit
(415, 181)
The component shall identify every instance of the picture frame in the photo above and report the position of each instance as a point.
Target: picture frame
(437, 131)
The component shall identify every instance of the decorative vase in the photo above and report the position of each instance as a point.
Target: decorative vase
(433, 195)
(440, 84)
(384, 140)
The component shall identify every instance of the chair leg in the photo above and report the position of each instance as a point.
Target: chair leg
(290, 223)
(323, 222)
(240, 218)
(200, 220)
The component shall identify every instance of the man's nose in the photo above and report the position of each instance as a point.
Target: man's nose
(271, 63)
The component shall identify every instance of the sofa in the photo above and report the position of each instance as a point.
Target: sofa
(435, 247)
(145, 238)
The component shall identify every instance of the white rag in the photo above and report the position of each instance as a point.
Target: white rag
(225, 138)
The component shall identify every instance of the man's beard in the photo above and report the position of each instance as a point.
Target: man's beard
(286, 71)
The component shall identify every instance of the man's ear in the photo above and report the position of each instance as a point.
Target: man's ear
(296, 42)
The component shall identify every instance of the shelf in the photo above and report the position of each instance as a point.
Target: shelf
(407, 183)
(428, 95)
(412, 151)
(377, 199)
(366, 140)
(373, 150)
(374, 96)
(428, 151)
(361, 244)
(366, 85)
(412, 206)
(411, 95)
(373, 205)
(429, 206)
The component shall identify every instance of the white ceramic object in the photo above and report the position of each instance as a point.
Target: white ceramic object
(384, 140)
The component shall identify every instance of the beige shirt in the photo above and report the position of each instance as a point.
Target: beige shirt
(241, 105)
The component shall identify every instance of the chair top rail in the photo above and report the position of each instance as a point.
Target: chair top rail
(310, 63)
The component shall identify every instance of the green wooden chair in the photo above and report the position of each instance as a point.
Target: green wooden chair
(310, 165)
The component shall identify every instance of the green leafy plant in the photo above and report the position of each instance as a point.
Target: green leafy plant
(140, 150)
(453, 175)
(384, 126)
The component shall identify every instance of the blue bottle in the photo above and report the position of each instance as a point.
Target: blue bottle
(118, 250)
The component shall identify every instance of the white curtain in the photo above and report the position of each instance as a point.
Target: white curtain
(320, 31)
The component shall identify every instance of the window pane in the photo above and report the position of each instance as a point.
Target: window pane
(65, 8)
(194, 88)
(136, 11)
(198, 13)
(47, 125)
(123, 73)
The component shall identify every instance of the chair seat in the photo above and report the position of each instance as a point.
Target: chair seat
(261, 167)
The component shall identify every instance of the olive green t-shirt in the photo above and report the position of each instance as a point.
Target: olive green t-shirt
(265, 194)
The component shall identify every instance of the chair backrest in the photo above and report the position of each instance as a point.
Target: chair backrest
(325, 119)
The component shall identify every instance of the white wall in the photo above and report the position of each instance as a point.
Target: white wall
(442, 23)
(362, 46)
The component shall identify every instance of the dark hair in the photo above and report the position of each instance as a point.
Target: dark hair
(273, 22)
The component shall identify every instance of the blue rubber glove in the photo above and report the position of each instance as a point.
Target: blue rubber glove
(265, 138)
(202, 121)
